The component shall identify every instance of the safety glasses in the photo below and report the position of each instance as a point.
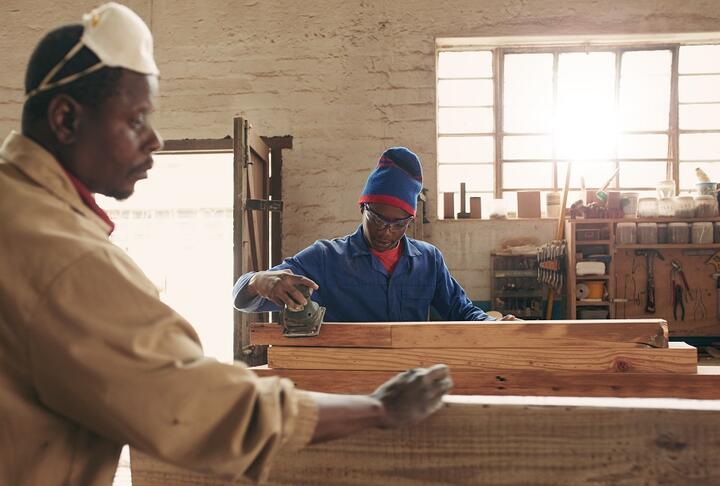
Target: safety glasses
(383, 224)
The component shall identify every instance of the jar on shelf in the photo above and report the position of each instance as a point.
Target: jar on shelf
(665, 207)
(647, 233)
(628, 203)
(684, 206)
(706, 206)
(662, 233)
(678, 233)
(665, 189)
(702, 233)
(626, 233)
(647, 207)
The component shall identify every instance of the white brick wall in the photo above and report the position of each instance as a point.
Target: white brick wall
(345, 78)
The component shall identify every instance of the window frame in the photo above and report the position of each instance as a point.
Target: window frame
(499, 48)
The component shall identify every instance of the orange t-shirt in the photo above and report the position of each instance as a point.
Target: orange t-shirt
(389, 258)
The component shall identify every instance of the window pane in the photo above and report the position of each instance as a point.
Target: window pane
(527, 147)
(476, 177)
(699, 117)
(464, 92)
(528, 93)
(465, 149)
(470, 64)
(183, 210)
(699, 88)
(465, 120)
(594, 173)
(699, 59)
(688, 179)
(645, 90)
(586, 99)
(650, 146)
(526, 175)
(699, 146)
(642, 174)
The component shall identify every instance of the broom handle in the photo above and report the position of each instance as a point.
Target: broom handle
(559, 233)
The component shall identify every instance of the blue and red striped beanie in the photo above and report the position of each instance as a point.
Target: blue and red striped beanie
(396, 181)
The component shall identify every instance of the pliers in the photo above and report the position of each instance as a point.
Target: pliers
(678, 301)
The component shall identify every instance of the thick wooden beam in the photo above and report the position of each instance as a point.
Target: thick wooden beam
(336, 335)
(704, 385)
(679, 358)
(505, 441)
(525, 334)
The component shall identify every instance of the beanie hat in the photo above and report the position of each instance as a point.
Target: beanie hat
(396, 181)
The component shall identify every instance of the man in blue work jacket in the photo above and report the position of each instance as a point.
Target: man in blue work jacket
(376, 274)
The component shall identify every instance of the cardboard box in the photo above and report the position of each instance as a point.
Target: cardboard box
(448, 205)
(476, 207)
(528, 204)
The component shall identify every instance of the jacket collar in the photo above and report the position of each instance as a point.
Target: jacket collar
(358, 245)
(41, 167)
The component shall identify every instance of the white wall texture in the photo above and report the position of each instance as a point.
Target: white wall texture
(345, 78)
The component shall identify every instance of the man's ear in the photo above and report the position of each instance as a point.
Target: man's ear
(64, 115)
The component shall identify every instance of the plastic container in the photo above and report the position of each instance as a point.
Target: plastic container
(706, 188)
(665, 189)
(678, 233)
(684, 206)
(628, 203)
(662, 233)
(647, 233)
(647, 207)
(552, 202)
(702, 233)
(626, 233)
(499, 211)
(665, 207)
(706, 206)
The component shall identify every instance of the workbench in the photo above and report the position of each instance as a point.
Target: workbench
(535, 402)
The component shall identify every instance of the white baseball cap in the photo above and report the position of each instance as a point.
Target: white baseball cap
(117, 36)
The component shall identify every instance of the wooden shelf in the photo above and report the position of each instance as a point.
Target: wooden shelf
(669, 246)
(591, 242)
(519, 293)
(515, 273)
(592, 277)
(585, 303)
(643, 220)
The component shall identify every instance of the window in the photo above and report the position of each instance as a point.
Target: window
(511, 118)
(178, 227)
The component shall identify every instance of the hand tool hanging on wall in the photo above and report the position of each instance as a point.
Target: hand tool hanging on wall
(551, 264)
(715, 261)
(650, 287)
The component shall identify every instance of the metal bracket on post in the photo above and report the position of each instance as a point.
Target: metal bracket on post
(263, 205)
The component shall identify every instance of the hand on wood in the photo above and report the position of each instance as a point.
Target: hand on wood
(278, 286)
(510, 317)
(413, 395)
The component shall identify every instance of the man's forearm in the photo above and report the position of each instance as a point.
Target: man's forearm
(342, 415)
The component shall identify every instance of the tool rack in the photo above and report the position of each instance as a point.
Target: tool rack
(514, 287)
(626, 276)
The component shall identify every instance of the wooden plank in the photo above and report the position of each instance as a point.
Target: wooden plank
(505, 441)
(525, 383)
(371, 335)
(676, 359)
(526, 334)
(593, 333)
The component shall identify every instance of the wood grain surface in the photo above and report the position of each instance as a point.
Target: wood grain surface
(525, 383)
(625, 333)
(616, 442)
(679, 358)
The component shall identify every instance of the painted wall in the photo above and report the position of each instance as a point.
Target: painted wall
(345, 78)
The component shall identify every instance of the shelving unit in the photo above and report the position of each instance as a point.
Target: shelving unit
(514, 286)
(626, 276)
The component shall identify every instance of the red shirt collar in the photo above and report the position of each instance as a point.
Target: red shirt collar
(89, 199)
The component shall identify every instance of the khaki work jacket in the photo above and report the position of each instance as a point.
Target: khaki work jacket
(91, 359)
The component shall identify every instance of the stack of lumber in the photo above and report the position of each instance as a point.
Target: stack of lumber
(604, 358)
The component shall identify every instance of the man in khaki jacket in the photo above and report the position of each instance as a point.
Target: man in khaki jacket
(90, 358)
